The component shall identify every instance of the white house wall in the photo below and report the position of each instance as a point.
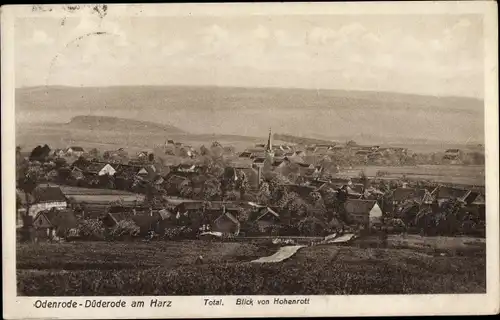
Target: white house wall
(375, 213)
(107, 170)
(37, 207)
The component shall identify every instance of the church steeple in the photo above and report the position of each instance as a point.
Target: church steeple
(269, 146)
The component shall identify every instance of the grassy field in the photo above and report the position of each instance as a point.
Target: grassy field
(71, 190)
(98, 195)
(106, 198)
(168, 268)
(456, 174)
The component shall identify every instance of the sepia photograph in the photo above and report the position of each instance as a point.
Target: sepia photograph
(271, 154)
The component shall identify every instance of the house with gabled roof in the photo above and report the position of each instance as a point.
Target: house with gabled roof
(127, 170)
(47, 197)
(258, 162)
(265, 218)
(401, 195)
(444, 193)
(99, 169)
(174, 183)
(75, 151)
(110, 219)
(226, 223)
(340, 182)
(186, 207)
(245, 154)
(54, 224)
(480, 200)
(186, 168)
(299, 153)
(363, 212)
(142, 154)
(302, 190)
(470, 197)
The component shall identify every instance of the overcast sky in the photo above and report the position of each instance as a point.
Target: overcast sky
(431, 54)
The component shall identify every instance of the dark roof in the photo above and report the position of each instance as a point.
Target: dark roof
(230, 217)
(470, 197)
(95, 167)
(220, 205)
(76, 148)
(48, 194)
(363, 152)
(64, 219)
(278, 162)
(444, 192)
(259, 160)
(358, 206)
(189, 205)
(480, 200)
(257, 155)
(303, 164)
(125, 169)
(313, 220)
(339, 182)
(176, 180)
(119, 216)
(357, 187)
(186, 166)
(267, 211)
(301, 190)
(401, 194)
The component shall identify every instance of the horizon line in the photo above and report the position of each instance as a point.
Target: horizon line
(253, 87)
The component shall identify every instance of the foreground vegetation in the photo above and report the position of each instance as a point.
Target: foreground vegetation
(170, 268)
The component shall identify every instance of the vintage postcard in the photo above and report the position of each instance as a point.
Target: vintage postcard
(250, 160)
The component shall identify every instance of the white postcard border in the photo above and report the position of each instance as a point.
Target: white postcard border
(193, 306)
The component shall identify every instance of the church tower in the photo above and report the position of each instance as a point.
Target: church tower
(269, 147)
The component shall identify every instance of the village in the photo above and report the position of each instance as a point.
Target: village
(287, 190)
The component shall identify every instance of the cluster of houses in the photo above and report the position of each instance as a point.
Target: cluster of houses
(51, 215)
(310, 155)
(73, 151)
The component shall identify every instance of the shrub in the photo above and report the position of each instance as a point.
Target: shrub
(177, 233)
(123, 229)
(91, 229)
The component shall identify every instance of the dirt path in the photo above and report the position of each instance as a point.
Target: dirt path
(282, 254)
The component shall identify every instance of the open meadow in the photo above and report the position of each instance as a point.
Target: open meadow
(170, 268)
(452, 174)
